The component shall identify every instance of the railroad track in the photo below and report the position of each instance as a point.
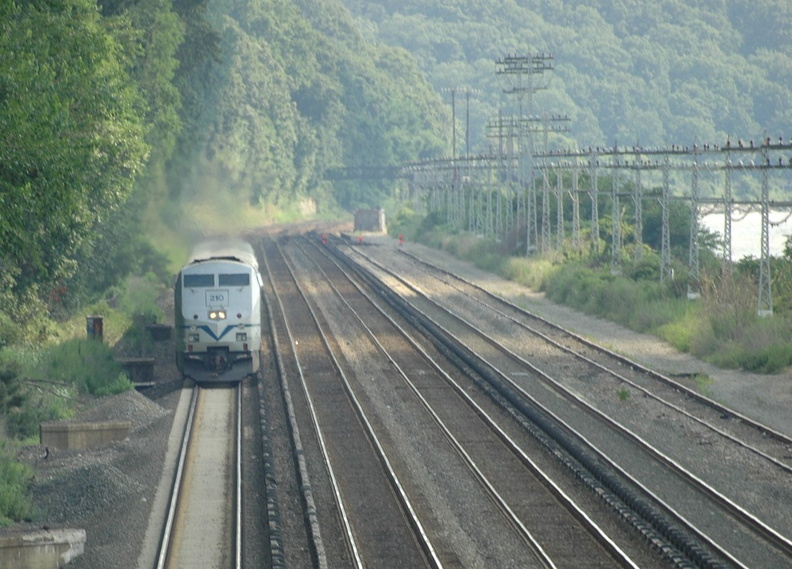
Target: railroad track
(554, 528)
(203, 525)
(763, 441)
(356, 511)
(690, 500)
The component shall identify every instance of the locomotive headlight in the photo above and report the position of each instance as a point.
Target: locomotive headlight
(194, 338)
(217, 315)
(241, 337)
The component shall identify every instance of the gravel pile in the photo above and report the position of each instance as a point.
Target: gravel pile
(107, 491)
(130, 406)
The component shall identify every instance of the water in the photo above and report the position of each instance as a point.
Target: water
(747, 233)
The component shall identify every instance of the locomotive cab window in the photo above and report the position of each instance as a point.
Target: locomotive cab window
(236, 279)
(198, 281)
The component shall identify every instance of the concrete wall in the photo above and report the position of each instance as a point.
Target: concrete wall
(82, 435)
(40, 549)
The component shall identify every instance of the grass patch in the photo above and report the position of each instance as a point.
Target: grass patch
(703, 383)
(682, 330)
(15, 478)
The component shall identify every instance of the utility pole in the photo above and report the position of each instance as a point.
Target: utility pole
(517, 69)
(693, 288)
(765, 307)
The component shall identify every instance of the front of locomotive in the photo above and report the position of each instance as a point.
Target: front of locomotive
(218, 306)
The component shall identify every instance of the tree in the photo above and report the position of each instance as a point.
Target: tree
(71, 136)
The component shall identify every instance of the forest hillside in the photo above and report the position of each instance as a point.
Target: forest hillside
(130, 127)
(626, 71)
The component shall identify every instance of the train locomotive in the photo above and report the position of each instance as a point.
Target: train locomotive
(218, 313)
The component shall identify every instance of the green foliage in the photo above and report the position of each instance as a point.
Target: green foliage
(651, 72)
(296, 91)
(681, 332)
(15, 477)
(25, 403)
(10, 333)
(405, 222)
(71, 138)
(531, 273)
(86, 364)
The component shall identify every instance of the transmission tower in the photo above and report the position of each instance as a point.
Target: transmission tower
(693, 287)
(638, 199)
(765, 296)
(576, 240)
(594, 195)
(519, 70)
(665, 232)
(616, 226)
(727, 214)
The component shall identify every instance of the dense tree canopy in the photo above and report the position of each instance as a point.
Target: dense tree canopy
(109, 109)
(71, 135)
(297, 91)
(670, 71)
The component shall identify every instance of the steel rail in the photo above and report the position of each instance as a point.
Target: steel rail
(401, 493)
(177, 491)
(238, 480)
(165, 540)
(554, 489)
(770, 534)
(305, 485)
(645, 391)
(749, 519)
(623, 359)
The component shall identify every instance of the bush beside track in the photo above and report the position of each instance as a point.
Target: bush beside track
(723, 327)
(49, 378)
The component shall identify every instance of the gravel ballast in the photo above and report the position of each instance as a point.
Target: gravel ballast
(109, 491)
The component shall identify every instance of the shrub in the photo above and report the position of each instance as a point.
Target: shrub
(22, 403)
(681, 331)
(10, 333)
(86, 364)
(405, 221)
(764, 347)
(529, 272)
(15, 504)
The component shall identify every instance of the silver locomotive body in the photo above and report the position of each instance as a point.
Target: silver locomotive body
(218, 314)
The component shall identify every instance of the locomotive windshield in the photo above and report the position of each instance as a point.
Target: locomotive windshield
(197, 281)
(236, 279)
